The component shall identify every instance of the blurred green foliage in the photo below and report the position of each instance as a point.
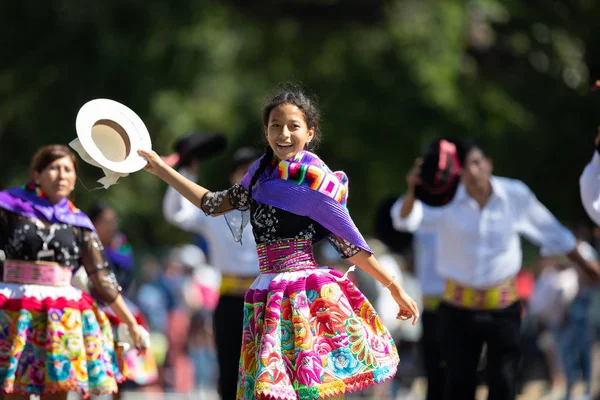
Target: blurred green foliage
(390, 75)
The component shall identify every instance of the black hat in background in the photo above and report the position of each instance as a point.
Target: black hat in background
(244, 156)
(440, 172)
(196, 146)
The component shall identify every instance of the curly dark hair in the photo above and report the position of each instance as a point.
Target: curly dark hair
(289, 93)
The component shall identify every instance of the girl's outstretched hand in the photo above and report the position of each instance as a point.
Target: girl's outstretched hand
(155, 163)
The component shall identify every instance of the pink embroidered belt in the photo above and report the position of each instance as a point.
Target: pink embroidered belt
(36, 272)
(286, 256)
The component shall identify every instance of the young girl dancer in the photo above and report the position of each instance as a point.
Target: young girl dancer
(309, 333)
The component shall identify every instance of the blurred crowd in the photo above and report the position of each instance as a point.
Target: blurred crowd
(178, 294)
(185, 296)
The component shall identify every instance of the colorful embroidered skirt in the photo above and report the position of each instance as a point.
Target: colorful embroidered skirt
(138, 367)
(54, 340)
(311, 334)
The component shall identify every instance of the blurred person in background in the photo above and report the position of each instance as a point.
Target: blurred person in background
(430, 281)
(149, 296)
(201, 290)
(55, 339)
(479, 255)
(589, 185)
(432, 288)
(594, 319)
(140, 369)
(162, 298)
(237, 263)
(532, 356)
(573, 332)
(202, 352)
(201, 295)
(185, 296)
(153, 304)
(556, 288)
(400, 250)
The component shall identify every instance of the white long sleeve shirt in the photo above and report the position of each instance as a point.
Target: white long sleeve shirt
(589, 188)
(226, 255)
(424, 249)
(480, 247)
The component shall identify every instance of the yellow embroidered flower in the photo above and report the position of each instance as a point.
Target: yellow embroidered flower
(74, 344)
(71, 319)
(370, 316)
(58, 343)
(302, 333)
(80, 368)
(93, 347)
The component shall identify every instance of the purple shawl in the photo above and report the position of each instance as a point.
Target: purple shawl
(304, 185)
(29, 201)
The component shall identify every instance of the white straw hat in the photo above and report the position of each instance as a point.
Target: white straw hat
(109, 135)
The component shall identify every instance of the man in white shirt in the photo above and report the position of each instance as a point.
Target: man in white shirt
(237, 262)
(589, 185)
(479, 254)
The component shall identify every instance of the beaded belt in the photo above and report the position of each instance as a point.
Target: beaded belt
(235, 285)
(36, 272)
(431, 303)
(495, 297)
(286, 256)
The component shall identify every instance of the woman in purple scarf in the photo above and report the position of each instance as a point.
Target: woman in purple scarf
(54, 338)
(309, 333)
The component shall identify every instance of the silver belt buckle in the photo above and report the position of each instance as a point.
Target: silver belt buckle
(45, 255)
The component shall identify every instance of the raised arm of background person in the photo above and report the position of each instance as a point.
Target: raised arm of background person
(589, 188)
(541, 227)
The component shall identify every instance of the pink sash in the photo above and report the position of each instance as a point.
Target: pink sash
(36, 272)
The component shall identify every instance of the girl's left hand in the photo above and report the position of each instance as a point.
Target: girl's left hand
(408, 307)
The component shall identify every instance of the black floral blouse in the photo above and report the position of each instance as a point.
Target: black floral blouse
(271, 224)
(22, 238)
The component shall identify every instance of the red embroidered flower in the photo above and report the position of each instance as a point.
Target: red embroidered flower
(327, 317)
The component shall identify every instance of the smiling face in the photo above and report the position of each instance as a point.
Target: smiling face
(287, 131)
(57, 180)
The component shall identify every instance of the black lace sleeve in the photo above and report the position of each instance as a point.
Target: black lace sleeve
(103, 280)
(234, 198)
(3, 233)
(343, 247)
(3, 228)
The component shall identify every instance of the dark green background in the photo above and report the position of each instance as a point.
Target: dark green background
(389, 74)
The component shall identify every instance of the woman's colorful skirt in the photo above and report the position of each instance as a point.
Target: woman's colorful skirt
(55, 339)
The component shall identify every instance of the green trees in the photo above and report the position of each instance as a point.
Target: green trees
(390, 75)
